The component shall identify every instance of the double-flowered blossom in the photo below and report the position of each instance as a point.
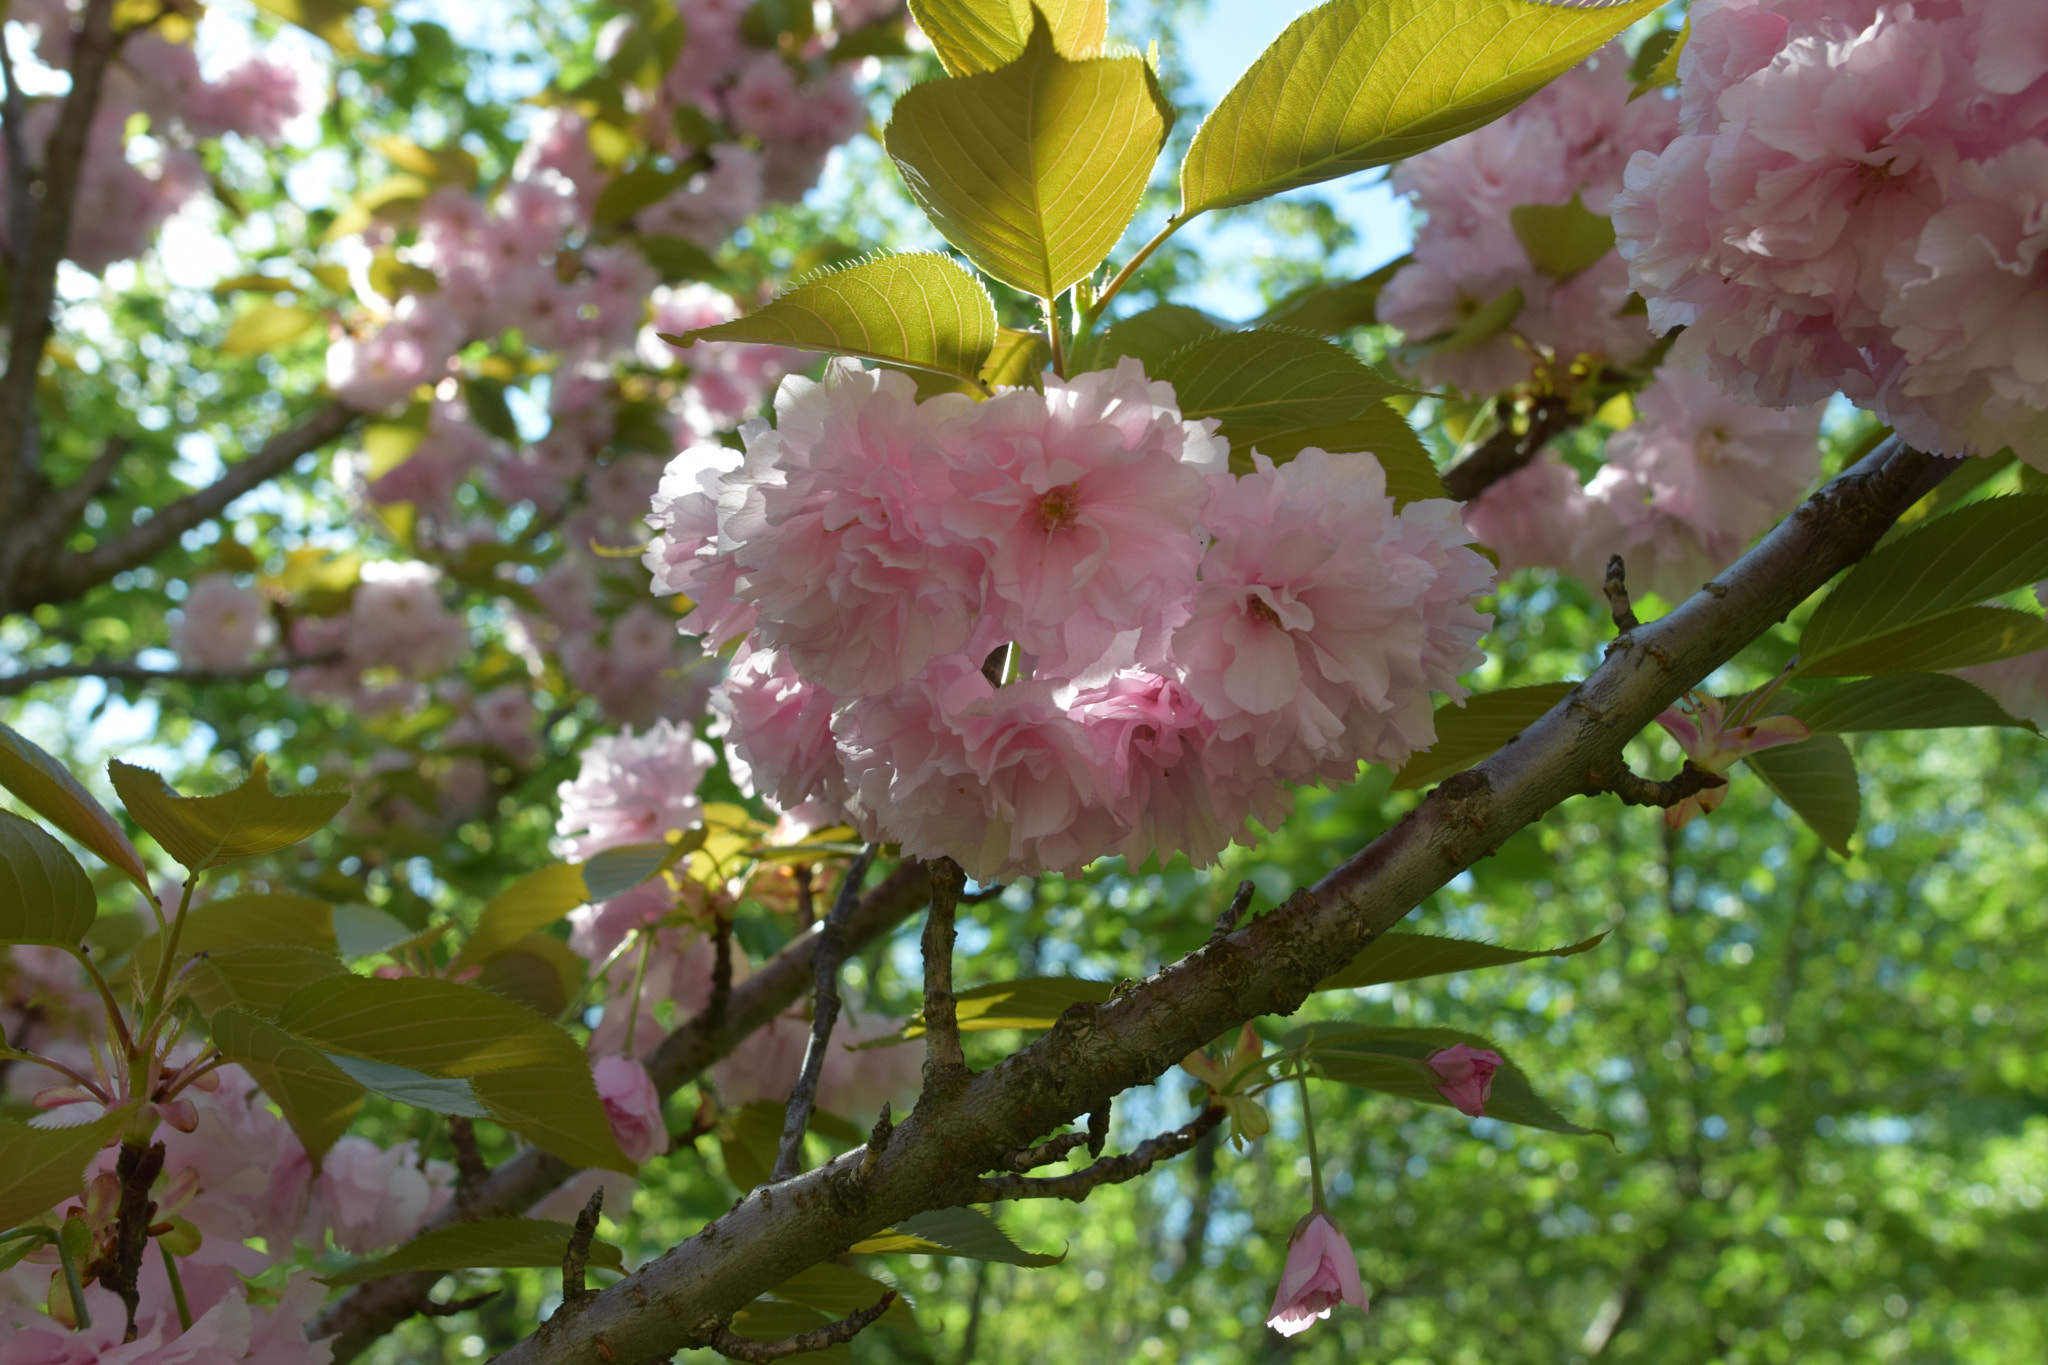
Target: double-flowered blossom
(1031, 631)
(1321, 1272)
(1858, 200)
(222, 624)
(633, 789)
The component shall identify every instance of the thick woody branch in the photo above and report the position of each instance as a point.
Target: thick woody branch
(732, 1346)
(1507, 450)
(1268, 967)
(371, 1309)
(830, 956)
(1114, 1170)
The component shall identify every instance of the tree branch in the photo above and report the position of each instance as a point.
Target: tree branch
(1268, 967)
(831, 954)
(1642, 791)
(127, 670)
(1113, 1170)
(373, 1308)
(1508, 450)
(723, 1340)
(944, 1063)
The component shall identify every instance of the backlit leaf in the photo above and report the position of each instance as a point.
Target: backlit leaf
(1410, 957)
(1151, 336)
(42, 784)
(266, 326)
(444, 1028)
(956, 1232)
(491, 1244)
(45, 896)
(247, 921)
(318, 1098)
(982, 35)
(1817, 779)
(326, 19)
(1019, 359)
(1562, 239)
(1973, 635)
(42, 1167)
(1901, 701)
(1334, 309)
(259, 980)
(555, 1107)
(1466, 734)
(1030, 1003)
(209, 831)
(533, 902)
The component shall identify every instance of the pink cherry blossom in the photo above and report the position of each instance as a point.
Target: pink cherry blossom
(374, 1197)
(1467, 1074)
(451, 450)
(633, 789)
(633, 1107)
(1715, 739)
(1321, 1272)
(779, 731)
(221, 625)
(397, 620)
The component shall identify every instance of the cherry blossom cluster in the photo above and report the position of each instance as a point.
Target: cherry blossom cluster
(396, 629)
(1687, 486)
(121, 205)
(222, 624)
(1573, 138)
(1858, 201)
(1034, 630)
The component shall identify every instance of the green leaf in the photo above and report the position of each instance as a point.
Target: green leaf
(1032, 1002)
(318, 1098)
(1394, 1061)
(259, 980)
(1466, 734)
(1562, 239)
(1974, 635)
(45, 787)
(365, 931)
(640, 187)
(955, 1232)
(1657, 63)
(264, 327)
(837, 1290)
(247, 921)
(918, 309)
(42, 1167)
(1901, 701)
(491, 1244)
(533, 902)
(1019, 359)
(1817, 779)
(677, 258)
(1284, 391)
(1152, 336)
(555, 1107)
(542, 973)
(209, 831)
(618, 870)
(1978, 552)
(45, 896)
(444, 1028)
(1334, 309)
(1359, 83)
(1034, 170)
(407, 1086)
(326, 19)
(981, 35)
(750, 1138)
(1481, 325)
(1410, 957)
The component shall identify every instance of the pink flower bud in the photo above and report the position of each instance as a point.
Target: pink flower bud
(633, 1105)
(1468, 1076)
(1321, 1272)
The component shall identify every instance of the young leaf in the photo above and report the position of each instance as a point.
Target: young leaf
(1562, 239)
(1817, 779)
(259, 980)
(1971, 555)
(1019, 359)
(319, 1100)
(1466, 734)
(1973, 635)
(1410, 957)
(1901, 701)
(956, 1232)
(247, 921)
(1284, 391)
(1151, 336)
(1034, 1002)
(492, 1244)
(42, 1167)
(533, 902)
(1394, 1061)
(45, 896)
(1359, 83)
(45, 787)
(1334, 309)
(918, 309)
(1033, 170)
(1657, 63)
(407, 1086)
(267, 326)
(981, 35)
(210, 831)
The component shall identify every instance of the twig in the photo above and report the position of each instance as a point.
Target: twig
(721, 969)
(986, 893)
(429, 1309)
(577, 1257)
(1098, 1128)
(1643, 791)
(878, 1141)
(126, 670)
(944, 1062)
(722, 1339)
(138, 1168)
(470, 1170)
(827, 960)
(1044, 1154)
(1616, 588)
(806, 898)
(1234, 912)
(1113, 1170)
(1507, 450)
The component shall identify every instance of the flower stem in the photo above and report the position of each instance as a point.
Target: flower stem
(633, 999)
(177, 1288)
(1317, 1204)
(170, 950)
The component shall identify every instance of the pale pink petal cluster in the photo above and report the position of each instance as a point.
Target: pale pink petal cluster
(855, 1082)
(1466, 1073)
(1031, 631)
(221, 624)
(1714, 740)
(1859, 202)
(1321, 1272)
(374, 1197)
(1573, 138)
(633, 789)
(229, 1331)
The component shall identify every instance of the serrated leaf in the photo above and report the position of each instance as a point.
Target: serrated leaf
(1817, 779)
(490, 1244)
(956, 1232)
(444, 1028)
(42, 784)
(1151, 336)
(1657, 63)
(1978, 552)
(917, 309)
(1466, 734)
(1283, 391)
(542, 973)
(42, 1167)
(211, 831)
(1410, 957)
(247, 921)
(1562, 239)
(972, 36)
(837, 1290)
(1394, 1061)
(259, 980)
(533, 902)
(1334, 309)
(555, 1107)
(1359, 83)
(403, 1084)
(1018, 360)
(265, 327)
(1901, 701)
(45, 896)
(1974, 635)
(318, 1098)
(1033, 170)
(1033, 1002)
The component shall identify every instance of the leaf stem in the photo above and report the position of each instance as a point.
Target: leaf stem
(170, 952)
(177, 1287)
(1054, 331)
(72, 1284)
(1123, 277)
(1308, 1137)
(633, 997)
(117, 1025)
